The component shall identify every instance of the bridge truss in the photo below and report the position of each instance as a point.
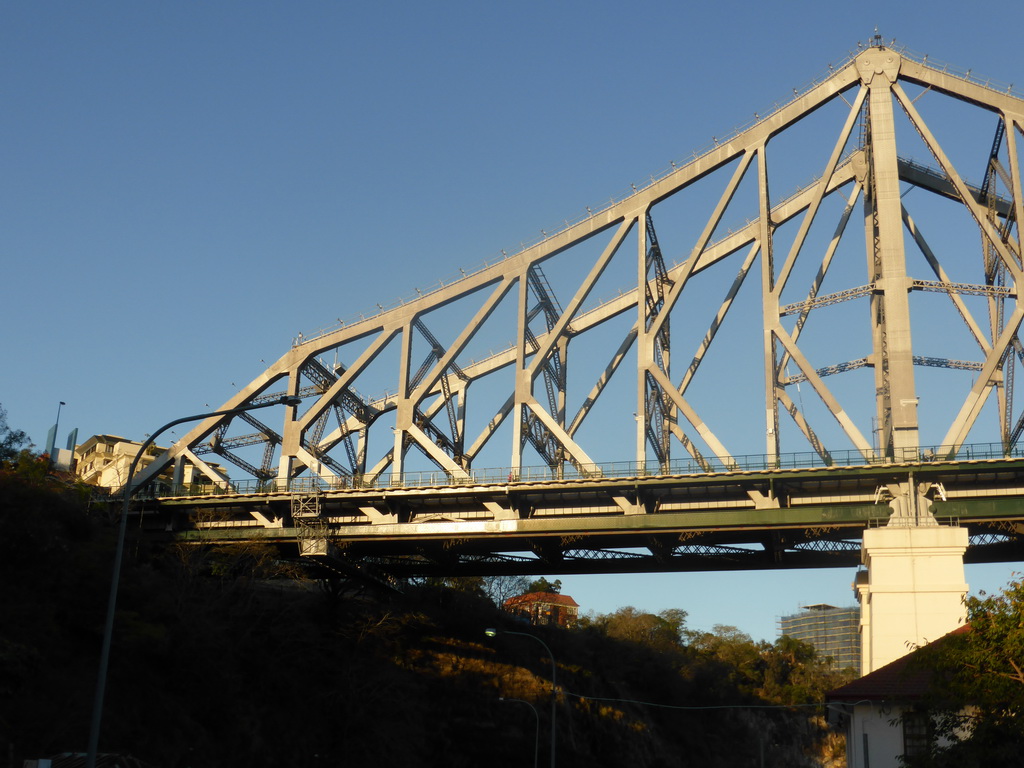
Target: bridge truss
(745, 321)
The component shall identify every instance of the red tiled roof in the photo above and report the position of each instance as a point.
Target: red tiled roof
(891, 682)
(548, 598)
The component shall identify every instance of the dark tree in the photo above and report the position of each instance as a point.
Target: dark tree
(977, 688)
(543, 585)
(498, 589)
(11, 440)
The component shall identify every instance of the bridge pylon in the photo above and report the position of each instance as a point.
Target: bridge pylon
(911, 590)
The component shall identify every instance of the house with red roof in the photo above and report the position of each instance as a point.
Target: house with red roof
(544, 609)
(882, 713)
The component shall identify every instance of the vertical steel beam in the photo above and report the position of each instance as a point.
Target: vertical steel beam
(644, 345)
(894, 363)
(523, 381)
(291, 433)
(403, 415)
(769, 309)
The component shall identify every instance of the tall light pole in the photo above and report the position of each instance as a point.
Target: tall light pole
(126, 493)
(536, 738)
(491, 632)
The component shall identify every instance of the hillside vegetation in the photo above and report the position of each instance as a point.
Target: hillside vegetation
(229, 657)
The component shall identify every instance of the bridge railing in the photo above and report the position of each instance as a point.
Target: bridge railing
(609, 470)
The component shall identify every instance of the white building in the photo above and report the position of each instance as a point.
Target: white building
(104, 460)
(883, 716)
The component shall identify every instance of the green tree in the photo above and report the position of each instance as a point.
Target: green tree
(977, 684)
(736, 653)
(471, 585)
(662, 631)
(793, 673)
(11, 440)
(498, 589)
(543, 585)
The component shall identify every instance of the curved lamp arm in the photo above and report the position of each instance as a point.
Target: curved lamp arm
(126, 492)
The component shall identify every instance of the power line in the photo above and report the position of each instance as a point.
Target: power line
(693, 707)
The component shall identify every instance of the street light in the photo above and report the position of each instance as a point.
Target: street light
(492, 632)
(536, 715)
(127, 491)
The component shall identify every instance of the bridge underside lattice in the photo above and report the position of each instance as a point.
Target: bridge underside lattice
(674, 523)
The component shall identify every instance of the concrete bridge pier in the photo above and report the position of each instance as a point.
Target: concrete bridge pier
(913, 586)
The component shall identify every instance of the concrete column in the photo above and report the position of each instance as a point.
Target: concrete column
(178, 478)
(860, 588)
(913, 589)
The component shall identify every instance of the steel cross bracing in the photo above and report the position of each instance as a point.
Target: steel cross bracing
(767, 296)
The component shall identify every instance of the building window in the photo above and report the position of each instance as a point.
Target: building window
(917, 734)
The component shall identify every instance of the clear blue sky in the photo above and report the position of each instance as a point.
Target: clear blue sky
(186, 186)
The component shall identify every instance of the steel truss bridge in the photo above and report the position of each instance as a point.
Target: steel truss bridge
(743, 317)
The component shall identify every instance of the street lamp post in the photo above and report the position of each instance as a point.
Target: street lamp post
(491, 632)
(127, 491)
(536, 738)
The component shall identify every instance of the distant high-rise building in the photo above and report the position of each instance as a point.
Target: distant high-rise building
(834, 632)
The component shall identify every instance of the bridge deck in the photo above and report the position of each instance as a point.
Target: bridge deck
(738, 519)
